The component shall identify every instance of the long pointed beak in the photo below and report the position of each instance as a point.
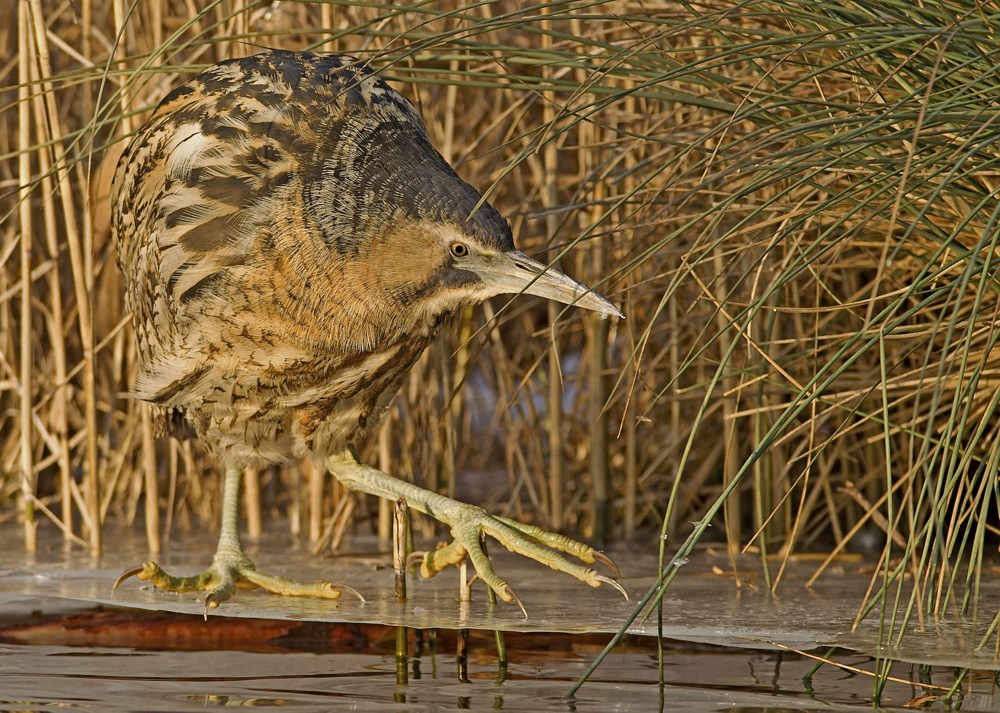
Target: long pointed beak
(515, 273)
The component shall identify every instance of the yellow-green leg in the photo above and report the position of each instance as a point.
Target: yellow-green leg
(230, 568)
(467, 522)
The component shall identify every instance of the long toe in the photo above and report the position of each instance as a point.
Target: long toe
(222, 592)
(225, 575)
(292, 588)
(469, 523)
(152, 572)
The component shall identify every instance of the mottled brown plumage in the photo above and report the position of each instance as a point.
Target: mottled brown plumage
(291, 243)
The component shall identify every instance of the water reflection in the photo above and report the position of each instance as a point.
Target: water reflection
(133, 660)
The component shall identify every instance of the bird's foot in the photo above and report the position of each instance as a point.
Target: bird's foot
(469, 523)
(226, 574)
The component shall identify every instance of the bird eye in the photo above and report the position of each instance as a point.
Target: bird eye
(459, 249)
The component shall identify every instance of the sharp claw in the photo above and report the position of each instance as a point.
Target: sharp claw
(130, 572)
(514, 598)
(212, 601)
(352, 590)
(608, 562)
(414, 559)
(613, 583)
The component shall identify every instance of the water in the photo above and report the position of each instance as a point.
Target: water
(98, 660)
(68, 643)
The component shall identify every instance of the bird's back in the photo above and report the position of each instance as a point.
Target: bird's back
(250, 215)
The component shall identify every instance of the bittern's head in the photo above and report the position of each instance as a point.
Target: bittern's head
(471, 269)
(385, 197)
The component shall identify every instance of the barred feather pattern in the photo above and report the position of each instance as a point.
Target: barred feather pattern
(282, 224)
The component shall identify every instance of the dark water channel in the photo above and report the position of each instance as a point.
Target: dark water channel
(101, 659)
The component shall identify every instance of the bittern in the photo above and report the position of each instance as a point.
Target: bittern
(291, 243)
